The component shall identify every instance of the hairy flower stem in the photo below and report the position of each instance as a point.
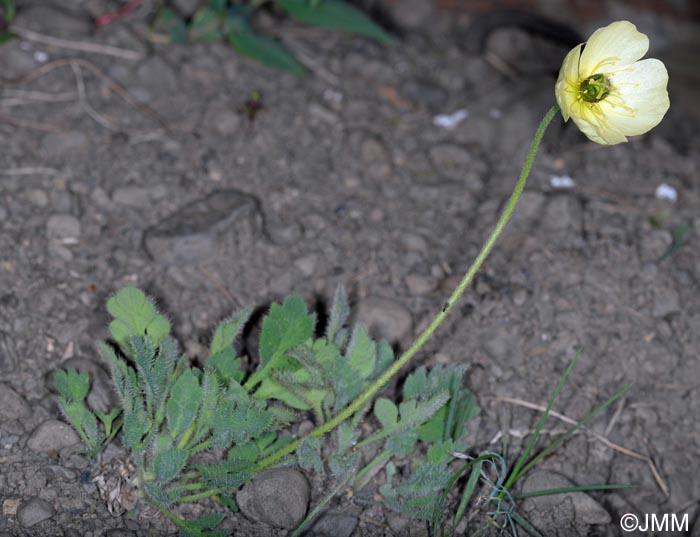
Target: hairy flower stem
(422, 339)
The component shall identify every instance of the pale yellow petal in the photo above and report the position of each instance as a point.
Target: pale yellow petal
(567, 84)
(616, 46)
(596, 132)
(642, 90)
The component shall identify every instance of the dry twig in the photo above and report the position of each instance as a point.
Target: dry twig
(660, 481)
(81, 46)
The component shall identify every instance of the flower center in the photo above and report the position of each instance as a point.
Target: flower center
(594, 88)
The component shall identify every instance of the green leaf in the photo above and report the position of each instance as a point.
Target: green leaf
(9, 8)
(206, 25)
(183, 403)
(347, 436)
(334, 14)
(309, 455)
(6, 36)
(418, 495)
(227, 366)
(228, 330)
(402, 443)
(218, 5)
(207, 521)
(261, 48)
(340, 311)
(162, 496)
(413, 413)
(83, 420)
(173, 24)
(284, 327)
(135, 315)
(386, 412)
(71, 384)
(168, 461)
(108, 418)
(361, 353)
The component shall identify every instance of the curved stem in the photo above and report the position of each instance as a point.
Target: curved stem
(467, 279)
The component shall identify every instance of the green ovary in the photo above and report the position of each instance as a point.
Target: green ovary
(594, 88)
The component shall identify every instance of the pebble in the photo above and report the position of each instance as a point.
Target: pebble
(12, 405)
(459, 164)
(33, 511)
(37, 197)
(385, 318)
(156, 74)
(222, 118)
(542, 509)
(335, 524)
(306, 264)
(186, 7)
(64, 144)
(203, 228)
(375, 158)
(52, 434)
(414, 243)
(10, 506)
(420, 285)
(118, 532)
(425, 93)
(131, 196)
(278, 497)
(62, 227)
(667, 301)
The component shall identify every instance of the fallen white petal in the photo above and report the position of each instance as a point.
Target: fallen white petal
(666, 192)
(450, 121)
(562, 181)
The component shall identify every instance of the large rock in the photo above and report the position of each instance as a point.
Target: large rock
(278, 497)
(225, 219)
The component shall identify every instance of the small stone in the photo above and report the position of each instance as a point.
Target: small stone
(375, 158)
(586, 510)
(118, 532)
(425, 93)
(37, 197)
(131, 196)
(306, 264)
(156, 74)
(222, 118)
(667, 301)
(33, 511)
(334, 524)
(12, 405)
(203, 228)
(62, 227)
(278, 497)
(420, 285)
(414, 243)
(52, 435)
(64, 144)
(459, 164)
(10, 506)
(186, 7)
(519, 297)
(385, 318)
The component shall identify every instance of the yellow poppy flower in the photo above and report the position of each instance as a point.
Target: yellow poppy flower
(607, 89)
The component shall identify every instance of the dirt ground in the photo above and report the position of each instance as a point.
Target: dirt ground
(343, 178)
